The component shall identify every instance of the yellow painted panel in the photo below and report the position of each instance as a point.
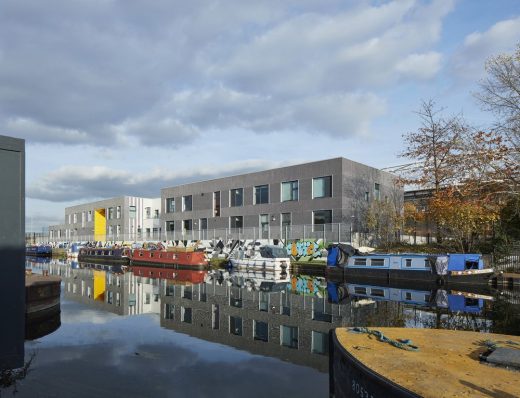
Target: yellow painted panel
(100, 225)
(99, 285)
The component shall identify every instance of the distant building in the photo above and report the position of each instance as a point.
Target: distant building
(123, 218)
(271, 203)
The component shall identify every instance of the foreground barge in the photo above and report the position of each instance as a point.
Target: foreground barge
(446, 364)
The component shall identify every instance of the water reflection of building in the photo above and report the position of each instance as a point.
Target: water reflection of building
(108, 288)
(280, 324)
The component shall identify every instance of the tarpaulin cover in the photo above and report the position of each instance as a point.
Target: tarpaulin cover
(332, 256)
(441, 265)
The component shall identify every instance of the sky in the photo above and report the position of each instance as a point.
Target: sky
(125, 97)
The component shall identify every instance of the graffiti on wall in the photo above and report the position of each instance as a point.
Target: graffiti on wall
(308, 285)
(305, 249)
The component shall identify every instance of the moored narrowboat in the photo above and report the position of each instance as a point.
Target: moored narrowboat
(105, 255)
(268, 258)
(178, 259)
(453, 269)
(38, 251)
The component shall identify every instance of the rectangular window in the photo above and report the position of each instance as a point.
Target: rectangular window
(408, 262)
(110, 213)
(264, 226)
(148, 212)
(377, 262)
(427, 263)
(170, 205)
(322, 187)
(377, 191)
(216, 204)
(263, 301)
(289, 191)
(322, 217)
(261, 331)
(408, 296)
(186, 315)
(131, 211)
(236, 222)
(156, 213)
(377, 292)
(320, 343)
(261, 194)
(170, 225)
(75, 218)
(286, 220)
(187, 225)
(360, 290)
(215, 316)
(360, 261)
(289, 336)
(235, 325)
(147, 298)
(118, 230)
(187, 203)
(118, 212)
(236, 197)
(235, 302)
(89, 216)
(366, 197)
(169, 311)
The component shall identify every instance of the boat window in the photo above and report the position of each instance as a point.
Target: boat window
(408, 295)
(151, 254)
(160, 255)
(408, 262)
(140, 254)
(99, 253)
(427, 263)
(360, 290)
(427, 298)
(377, 262)
(360, 261)
(273, 252)
(471, 264)
(470, 302)
(377, 292)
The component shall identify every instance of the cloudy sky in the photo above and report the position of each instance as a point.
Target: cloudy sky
(119, 97)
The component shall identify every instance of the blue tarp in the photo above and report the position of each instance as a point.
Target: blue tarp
(332, 257)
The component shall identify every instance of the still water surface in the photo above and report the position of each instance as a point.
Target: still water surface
(143, 332)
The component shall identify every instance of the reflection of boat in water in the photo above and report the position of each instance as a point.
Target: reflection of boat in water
(177, 259)
(42, 305)
(176, 275)
(446, 363)
(73, 251)
(275, 281)
(105, 255)
(453, 269)
(38, 251)
(268, 258)
(112, 268)
(432, 296)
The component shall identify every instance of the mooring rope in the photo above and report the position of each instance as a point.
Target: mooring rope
(403, 344)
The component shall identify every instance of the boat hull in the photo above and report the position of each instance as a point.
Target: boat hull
(260, 265)
(104, 259)
(350, 378)
(189, 260)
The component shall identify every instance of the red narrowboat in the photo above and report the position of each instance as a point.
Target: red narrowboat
(188, 260)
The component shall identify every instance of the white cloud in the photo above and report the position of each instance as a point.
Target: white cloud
(468, 62)
(420, 66)
(170, 72)
(70, 183)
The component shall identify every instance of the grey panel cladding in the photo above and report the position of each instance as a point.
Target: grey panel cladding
(350, 181)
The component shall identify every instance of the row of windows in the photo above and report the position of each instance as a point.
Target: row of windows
(321, 188)
(318, 217)
(288, 334)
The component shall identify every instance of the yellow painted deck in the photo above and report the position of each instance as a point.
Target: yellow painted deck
(447, 364)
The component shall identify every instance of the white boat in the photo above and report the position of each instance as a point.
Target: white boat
(268, 258)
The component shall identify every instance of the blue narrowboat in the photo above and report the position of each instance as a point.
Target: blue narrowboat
(443, 269)
(38, 251)
(105, 255)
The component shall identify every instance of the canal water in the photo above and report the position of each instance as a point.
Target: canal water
(150, 332)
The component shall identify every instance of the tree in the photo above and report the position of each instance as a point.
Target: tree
(436, 148)
(384, 220)
(500, 94)
(462, 217)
